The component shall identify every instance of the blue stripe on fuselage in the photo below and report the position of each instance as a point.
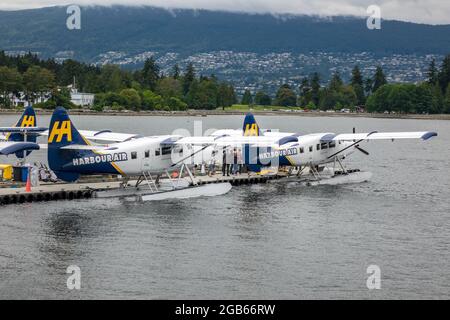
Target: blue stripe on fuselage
(89, 162)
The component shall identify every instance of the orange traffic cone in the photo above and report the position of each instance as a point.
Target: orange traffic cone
(28, 185)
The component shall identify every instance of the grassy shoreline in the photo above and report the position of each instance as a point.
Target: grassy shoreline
(204, 113)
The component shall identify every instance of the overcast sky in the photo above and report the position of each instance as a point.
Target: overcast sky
(423, 11)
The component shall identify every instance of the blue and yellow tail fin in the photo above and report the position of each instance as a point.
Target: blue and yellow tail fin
(28, 119)
(62, 133)
(250, 127)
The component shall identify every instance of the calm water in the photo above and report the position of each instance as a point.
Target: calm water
(262, 241)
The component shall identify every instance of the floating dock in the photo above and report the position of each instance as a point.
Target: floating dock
(16, 193)
(89, 187)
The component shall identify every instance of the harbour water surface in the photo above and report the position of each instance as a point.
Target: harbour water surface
(271, 241)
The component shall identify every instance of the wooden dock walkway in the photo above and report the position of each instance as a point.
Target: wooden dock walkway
(16, 193)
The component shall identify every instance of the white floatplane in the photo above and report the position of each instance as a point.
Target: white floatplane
(70, 155)
(309, 153)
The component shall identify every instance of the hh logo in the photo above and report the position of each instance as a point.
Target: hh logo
(59, 131)
(28, 121)
(251, 130)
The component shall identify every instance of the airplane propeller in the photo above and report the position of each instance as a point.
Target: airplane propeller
(358, 147)
(362, 150)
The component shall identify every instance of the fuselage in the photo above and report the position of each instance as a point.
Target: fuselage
(309, 150)
(155, 155)
(146, 154)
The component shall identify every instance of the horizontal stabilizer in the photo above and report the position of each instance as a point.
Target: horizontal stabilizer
(7, 148)
(23, 129)
(83, 147)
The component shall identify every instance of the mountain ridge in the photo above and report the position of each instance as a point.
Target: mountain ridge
(138, 29)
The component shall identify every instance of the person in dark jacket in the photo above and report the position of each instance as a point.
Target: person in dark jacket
(224, 161)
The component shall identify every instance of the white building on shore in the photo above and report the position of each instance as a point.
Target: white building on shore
(80, 98)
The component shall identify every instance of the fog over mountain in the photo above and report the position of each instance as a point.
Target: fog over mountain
(421, 11)
(134, 30)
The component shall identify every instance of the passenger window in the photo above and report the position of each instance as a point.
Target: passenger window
(166, 150)
(157, 152)
(332, 144)
(302, 150)
(310, 148)
(318, 147)
(134, 155)
(147, 153)
(324, 145)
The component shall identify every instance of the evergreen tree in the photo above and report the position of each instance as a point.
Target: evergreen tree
(150, 73)
(176, 71)
(336, 82)
(305, 92)
(379, 79)
(444, 74)
(286, 96)
(263, 99)
(357, 83)
(315, 88)
(226, 96)
(368, 86)
(432, 74)
(438, 99)
(188, 78)
(247, 98)
(447, 100)
(357, 78)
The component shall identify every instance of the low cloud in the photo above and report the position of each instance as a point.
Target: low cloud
(421, 11)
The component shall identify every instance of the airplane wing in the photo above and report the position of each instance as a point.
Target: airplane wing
(424, 135)
(224, 141)
(36, 130)
(7, 148)
(85, 147)
(104, 136)
(108, 136)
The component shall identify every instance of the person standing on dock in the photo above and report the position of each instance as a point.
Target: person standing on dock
(239, 159)
(235, 162)
(212, 164)
(230, 158)
(224, 162)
